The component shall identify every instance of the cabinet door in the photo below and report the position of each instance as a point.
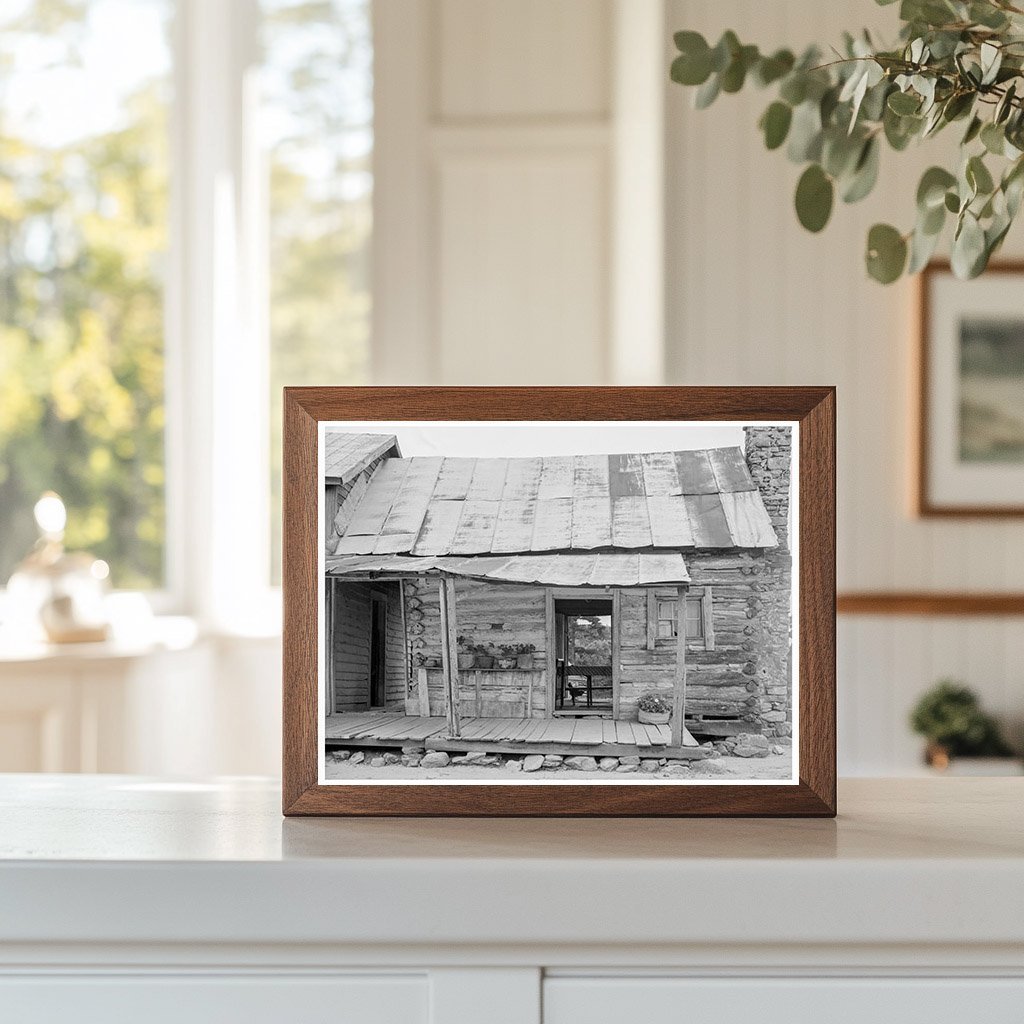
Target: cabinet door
(205, 999)
(582, 1000)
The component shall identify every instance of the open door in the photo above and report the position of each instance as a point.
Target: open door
(378, 641)
(584, 630)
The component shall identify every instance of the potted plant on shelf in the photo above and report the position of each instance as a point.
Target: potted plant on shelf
(524, 656)
(653, 710)
(466, 657)
(483, 656)
(507, 658)
(950, 718)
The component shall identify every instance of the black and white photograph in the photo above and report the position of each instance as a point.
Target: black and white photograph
(558, 602)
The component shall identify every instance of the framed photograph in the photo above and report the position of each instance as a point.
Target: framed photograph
(559, 601)
(970, 451)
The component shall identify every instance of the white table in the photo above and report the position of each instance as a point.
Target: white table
(197, 902)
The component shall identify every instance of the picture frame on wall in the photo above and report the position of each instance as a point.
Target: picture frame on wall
(970, 383)
(559, 601)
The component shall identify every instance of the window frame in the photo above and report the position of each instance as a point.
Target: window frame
(705, 595)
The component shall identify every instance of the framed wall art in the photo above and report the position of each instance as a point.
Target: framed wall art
(559, 601)
(970, 445)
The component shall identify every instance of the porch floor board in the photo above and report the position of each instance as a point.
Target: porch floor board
(596, 737)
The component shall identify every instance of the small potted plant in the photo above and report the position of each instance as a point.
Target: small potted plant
(950, 718)
(653, 710)
(466, 657)
(524, 656)
(508, 656)
(483, 656)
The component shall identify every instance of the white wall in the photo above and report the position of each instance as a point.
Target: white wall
(754, 299)
(514, 245)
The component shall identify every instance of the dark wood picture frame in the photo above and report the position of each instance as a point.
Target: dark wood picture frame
(812, 407)
(923, 504)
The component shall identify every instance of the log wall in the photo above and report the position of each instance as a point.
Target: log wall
(489, 614)
(744, 678)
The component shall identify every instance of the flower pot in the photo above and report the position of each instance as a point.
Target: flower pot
(653, 717)
(466, 661)
(525, 661)
(506, 663)
(485, 661)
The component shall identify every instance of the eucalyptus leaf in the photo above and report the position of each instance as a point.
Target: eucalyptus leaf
(931, 190)
(968, 248)
(993, 138)
(707, 93)
(805, 133)
(904, 103)
(814, 194)
(978, 176)
(865, 174)
(973, 130)
(991, 60)
(775, 124)
(922, 247)
(771, 69)
(886, 253)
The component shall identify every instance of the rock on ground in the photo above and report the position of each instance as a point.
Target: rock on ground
(357, 758)
(378, 762)
(581, 764)
(533, 762)
(435, 759)
(649, 765)
(628, 768)
(608, 764)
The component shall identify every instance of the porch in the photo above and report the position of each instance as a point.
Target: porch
(594, 737)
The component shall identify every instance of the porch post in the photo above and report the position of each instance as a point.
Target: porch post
(679, 684)
(449, 656)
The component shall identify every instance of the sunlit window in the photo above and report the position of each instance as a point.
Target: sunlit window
(83, 235)
(318, 130)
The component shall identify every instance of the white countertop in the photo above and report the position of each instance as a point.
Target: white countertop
(122, 859)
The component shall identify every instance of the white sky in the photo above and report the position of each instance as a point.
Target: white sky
(527, 439)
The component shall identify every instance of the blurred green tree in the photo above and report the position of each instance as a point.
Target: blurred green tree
(82, 233)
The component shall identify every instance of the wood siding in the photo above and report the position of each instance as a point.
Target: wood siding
(490, 614)
(731, 678)
(351, 646)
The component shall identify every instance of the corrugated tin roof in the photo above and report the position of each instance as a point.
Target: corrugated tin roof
(616, 569)
(464, 506)
(345, 455)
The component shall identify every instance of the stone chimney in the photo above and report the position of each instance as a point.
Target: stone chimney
(768, 452)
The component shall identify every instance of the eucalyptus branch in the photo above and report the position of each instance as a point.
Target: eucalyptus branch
(955, 61)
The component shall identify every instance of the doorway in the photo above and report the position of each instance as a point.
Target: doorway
(378, 643)
(583, 660)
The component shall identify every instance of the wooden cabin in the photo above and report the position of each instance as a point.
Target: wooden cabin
(596, 578)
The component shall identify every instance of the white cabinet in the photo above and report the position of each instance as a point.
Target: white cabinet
(823, 1000)
(128, 899)
(202, 999)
